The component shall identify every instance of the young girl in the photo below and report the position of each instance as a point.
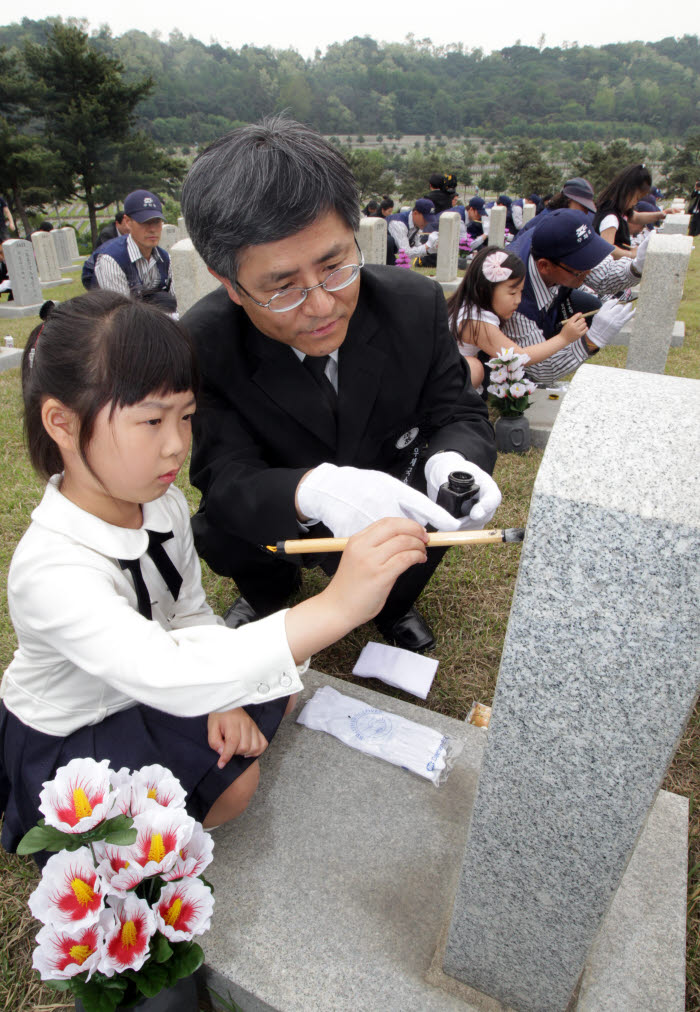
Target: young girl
(488, 295)
(119, 655)
(616, 207)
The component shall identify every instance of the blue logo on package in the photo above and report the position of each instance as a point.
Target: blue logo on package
(436, 755)
(371, 725)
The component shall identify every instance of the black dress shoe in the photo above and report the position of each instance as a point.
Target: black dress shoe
(410, 632)
(240, 613)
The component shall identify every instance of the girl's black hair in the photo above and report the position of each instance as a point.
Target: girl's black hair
(97, 349)
(476, 289)
(617, 194)
(386, 203)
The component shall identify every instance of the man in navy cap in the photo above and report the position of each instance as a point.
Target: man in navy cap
(562, 253)
(424, 237)
(134, 264)
(476, 209)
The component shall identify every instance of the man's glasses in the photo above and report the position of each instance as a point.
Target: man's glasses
(579, 275)
(293, 297)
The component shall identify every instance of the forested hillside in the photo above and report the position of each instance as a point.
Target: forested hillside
(641, 91)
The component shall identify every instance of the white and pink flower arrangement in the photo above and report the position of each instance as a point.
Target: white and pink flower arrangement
(510, 390)
(403, 259)
(124, 897)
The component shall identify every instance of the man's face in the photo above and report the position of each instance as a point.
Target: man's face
(554, 273)
(473, 214)
(146, 234)
(319, 325)
(418, 219)
(122, 227)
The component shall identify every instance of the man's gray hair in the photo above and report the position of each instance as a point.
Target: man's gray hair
(261, 183)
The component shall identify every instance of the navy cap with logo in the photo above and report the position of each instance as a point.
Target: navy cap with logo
(566, 237)
(581, 191)
(424, 206)
(504, 200)
(478, 203)
(142, 206)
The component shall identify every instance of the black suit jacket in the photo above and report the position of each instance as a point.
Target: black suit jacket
(404, 393)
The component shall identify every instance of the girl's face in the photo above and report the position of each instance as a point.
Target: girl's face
(506, 297)
(136, 455)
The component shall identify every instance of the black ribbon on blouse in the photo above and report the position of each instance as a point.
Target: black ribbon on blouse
(163, 564)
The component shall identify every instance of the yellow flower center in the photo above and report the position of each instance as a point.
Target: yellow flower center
(128, 934)
(173, 912)
(81, 805)
(83, 892)
(79, 953)
(153, 793)
(156, 852)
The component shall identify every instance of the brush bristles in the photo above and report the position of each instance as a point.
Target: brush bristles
(514, 534)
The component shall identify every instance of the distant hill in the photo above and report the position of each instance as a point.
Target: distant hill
(642, 91)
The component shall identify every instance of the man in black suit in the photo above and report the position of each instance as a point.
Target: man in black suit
(331, 395)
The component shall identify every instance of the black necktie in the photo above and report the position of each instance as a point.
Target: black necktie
(316, 364)
(163, 564)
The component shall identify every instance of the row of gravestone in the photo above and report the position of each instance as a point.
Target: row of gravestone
(38, 264)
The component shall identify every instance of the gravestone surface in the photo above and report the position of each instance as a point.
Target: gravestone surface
(448, 246)
(497, 226)
(181, 228)
(191, 279)
(528, 212)
(22, 272)
(342, 870)
(675, 224)
(169, 236)
(10, 358)
(64, 252)
(371, 238)
(660, 294)
(71, 240)
(597, 680)
(46, 260)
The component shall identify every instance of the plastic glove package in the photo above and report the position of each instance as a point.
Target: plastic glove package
(415, 747)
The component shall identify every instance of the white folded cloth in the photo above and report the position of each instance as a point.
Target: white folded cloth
(401, 668)
(385, 735)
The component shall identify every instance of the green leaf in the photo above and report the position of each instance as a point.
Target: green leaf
(161, 949)
(43, 838)
(187, 958)
(151, 979)
(58, 985)
(121, 837)
(95, 998)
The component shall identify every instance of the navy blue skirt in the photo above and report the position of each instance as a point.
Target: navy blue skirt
(139, 736)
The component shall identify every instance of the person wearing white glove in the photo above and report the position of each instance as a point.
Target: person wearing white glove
(609, 321)
(637, 265)
(326, 384)
(438, 469)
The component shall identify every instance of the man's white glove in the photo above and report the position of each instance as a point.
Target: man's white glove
(438, 469)
(347, 499)
(609, 320)
(638, 261)
(432, 243)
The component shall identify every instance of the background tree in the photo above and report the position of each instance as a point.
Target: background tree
(682, 168)
(88, 114)
(599, 165)
(527, 171)
(371, 174)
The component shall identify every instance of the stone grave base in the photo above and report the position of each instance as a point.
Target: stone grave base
(10, 358)
(72, 267)
(542, 413)
(56, 284)
(10, 311)
(334, 888)
(677, 335)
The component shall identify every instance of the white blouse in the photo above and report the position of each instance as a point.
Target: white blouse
(482, 316)
(84, 650)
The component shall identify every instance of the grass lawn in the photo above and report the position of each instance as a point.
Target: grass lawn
(467, 602)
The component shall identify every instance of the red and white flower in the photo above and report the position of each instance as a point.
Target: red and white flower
(119, 873)
(184, 910)
(70, 891)
(65, 952)
(120, 798)
(128, 925)
(155, 784)
(77, 799)
(162, 834)
(194, 857)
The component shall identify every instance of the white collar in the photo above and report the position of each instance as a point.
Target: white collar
(56, 513)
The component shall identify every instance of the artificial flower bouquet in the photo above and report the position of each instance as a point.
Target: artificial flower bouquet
(510, 390)
(124, 897)
(403, 259)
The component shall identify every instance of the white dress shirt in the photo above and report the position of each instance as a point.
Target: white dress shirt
(84, 650)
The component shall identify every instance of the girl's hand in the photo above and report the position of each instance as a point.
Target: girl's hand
(369, 567)
(234, 733)
(574, 328)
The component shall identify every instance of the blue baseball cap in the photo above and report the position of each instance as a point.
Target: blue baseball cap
(566, 237)
(142, 206)
(504, 200)
(478, 203)
(645, 205)
(424, 206)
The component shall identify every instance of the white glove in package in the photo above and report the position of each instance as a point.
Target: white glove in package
(402, 742)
